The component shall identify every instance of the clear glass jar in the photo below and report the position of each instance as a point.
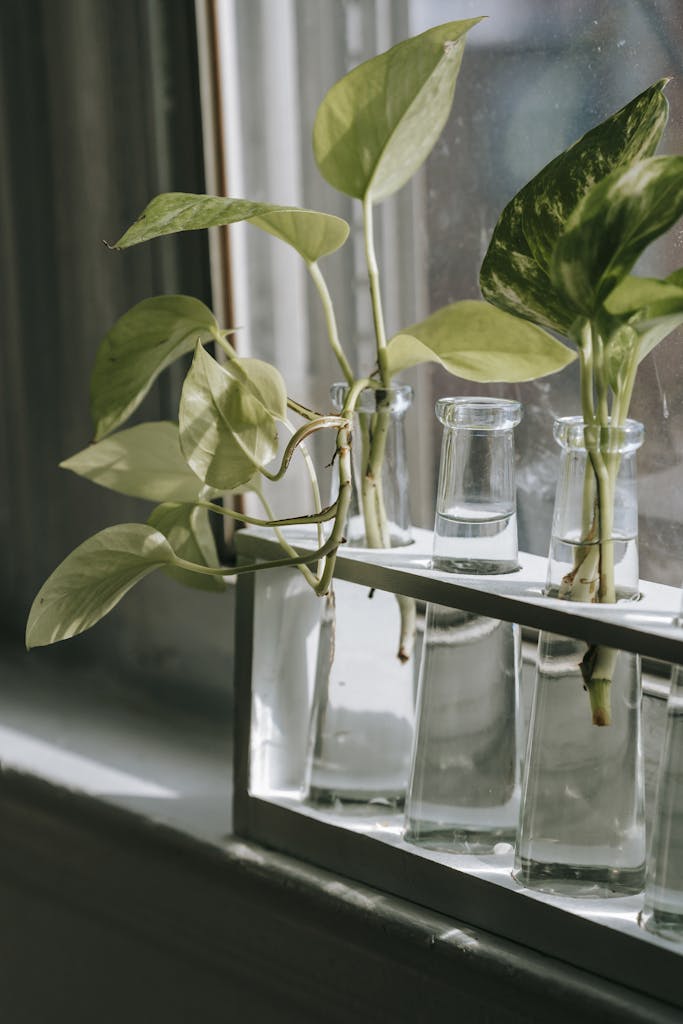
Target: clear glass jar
(362, 720)
(466, 767)
(379, 510)
(582, 826)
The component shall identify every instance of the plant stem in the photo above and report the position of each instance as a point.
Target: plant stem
(598, 664)
(323, 516)
(235, 570)
(374, 512)
(310, 577)
(313, 479)
(303, 410)
(300, 435)
(375, 292)
(330, 321)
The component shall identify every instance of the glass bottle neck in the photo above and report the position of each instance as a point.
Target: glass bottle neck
(594, 541)
(476, 523)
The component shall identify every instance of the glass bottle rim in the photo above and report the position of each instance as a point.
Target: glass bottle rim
(571, 433)
(397, 398)
(478, 412)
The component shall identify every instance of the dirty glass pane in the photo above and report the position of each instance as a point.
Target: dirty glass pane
(535, 77)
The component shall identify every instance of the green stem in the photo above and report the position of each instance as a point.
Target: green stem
(343, 499)
(303, 410)
(221, 340)
(375, 430)
(300, 435)
(598, 664)
(313, 479)
(323, 516)
(235, 570)
(330, 320)
(310, 577)
(375, 293)
(585, 346)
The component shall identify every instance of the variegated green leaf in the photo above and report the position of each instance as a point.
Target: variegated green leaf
(147, 339)
(93, 579)
(143, 462)
(226, 432)
(378, 124)
(515, 272)
(187, 529)
(312, 234)
(612, 225)
(478, 342)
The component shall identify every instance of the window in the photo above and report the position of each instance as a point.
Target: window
(532, 81)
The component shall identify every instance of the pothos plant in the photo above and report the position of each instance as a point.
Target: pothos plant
(561, 256)
(372, 132)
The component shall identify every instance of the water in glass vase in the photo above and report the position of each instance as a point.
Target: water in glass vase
(465, 786)
(476, 540)
(570, 558)
(363, 706)
(581, 830)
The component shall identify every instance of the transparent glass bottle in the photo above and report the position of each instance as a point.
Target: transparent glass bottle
(379, 412)
(465, 781)
(362, 720)
(582, 826)
(663, 909)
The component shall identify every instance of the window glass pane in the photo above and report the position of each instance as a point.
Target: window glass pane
(535, 77)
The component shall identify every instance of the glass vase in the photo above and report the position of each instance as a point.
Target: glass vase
(582, 827)
(663, 908)
(465, 780)
(379, 428)
(362, 720)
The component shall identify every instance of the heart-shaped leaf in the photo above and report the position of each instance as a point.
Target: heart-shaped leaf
(378, 124)
(515, 274)
(312, 234)
(187, 529)
(144, 462)
(478, 342)
(264, 382)
(226, 432)
(147, 339)
(93, 579)
(612, 225)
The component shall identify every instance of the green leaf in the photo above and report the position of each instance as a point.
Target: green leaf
(634, 294)
(515, 272)
(226, 432)
(147, 339)
(378, 124)
(312, 234)
(651, 308)
(187, 529)
(264, 382)
(478, 342)
(143, 462)
(93, 579)
(611, 227)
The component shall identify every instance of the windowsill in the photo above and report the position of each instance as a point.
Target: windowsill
(120, 771)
